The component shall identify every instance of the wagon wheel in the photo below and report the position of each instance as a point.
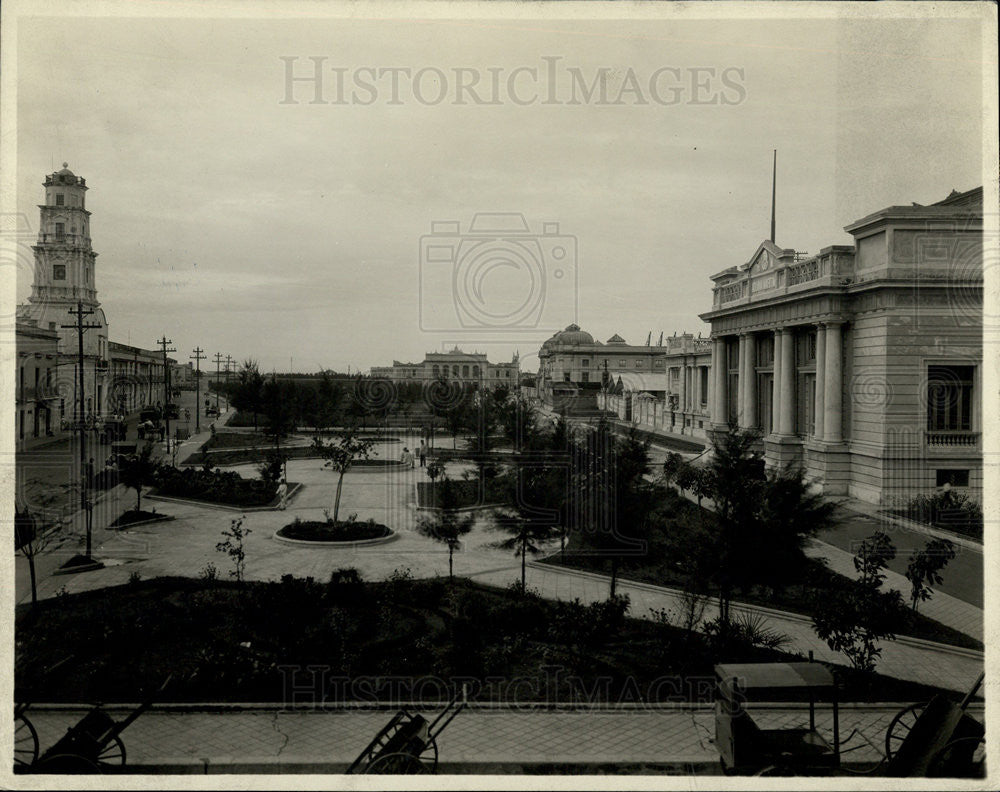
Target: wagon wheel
(400, 763)
(112, 755)
(25, 743)
(900, 726)
(941, 764)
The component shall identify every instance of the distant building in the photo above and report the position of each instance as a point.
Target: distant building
(675, 402)
(39, 400)
(136, 377)
(470, 367)
(863, 364)
(572, 355)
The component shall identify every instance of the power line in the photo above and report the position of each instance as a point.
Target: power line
(197, 357)
(81, 328)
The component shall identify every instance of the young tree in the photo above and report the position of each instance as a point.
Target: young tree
(447, 525)
(925, 568)
(233, 545)
(854, 617)
(341, 454)
(528, 519)
(31, 540)
(136, 471)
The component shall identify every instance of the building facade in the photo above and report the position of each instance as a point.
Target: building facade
(573, 357)
(675, 401)
(136, 377)
(470, 367)
(65, 279)
(38, 397)
(863, 363)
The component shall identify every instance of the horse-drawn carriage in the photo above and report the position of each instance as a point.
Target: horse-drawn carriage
(935, 739)
(92, 745)
(407, 744)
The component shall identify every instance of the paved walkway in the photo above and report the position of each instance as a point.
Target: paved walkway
(185, 546)
(661, 739)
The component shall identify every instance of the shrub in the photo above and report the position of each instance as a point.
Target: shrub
(216, 486)
(209, 572)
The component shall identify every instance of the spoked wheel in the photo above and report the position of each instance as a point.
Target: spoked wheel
(962, 758)
(900, 727)
(113, 756)
(25, 743)
(397, 764)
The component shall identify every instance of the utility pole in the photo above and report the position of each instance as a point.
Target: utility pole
(197, 357)
(166, 384)
(81, 424)
(218, 380)
(229, 362)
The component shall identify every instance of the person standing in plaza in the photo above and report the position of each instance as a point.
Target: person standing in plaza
(423, 454)
(282, 494)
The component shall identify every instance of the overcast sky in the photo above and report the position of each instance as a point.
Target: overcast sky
(228, 219)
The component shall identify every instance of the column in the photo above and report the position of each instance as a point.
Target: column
(787, 422)
(682, 397)
(750, 389)
(696, 371)
(718, 382)
(819, 417)
(776, 383)
(741, 381)
(833, 384)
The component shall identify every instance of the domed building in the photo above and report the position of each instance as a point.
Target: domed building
(571, 361)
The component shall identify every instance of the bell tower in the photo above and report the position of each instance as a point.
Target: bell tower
(64, 260)
(65, 275)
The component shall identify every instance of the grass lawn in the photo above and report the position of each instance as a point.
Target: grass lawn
(660, 568)
(223, 641)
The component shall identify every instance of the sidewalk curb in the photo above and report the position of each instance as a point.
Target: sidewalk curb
(918, 643)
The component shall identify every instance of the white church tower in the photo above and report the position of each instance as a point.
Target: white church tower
(65, 275)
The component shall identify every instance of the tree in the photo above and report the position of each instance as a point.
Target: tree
(136, 471)
(612, 479)
(447, 525)
(278, 403)
(328, 397)
(853, 618)
(31, 540)
(233, 546)
(762, 520)
(529, 520)
(341, 454)
(925, 568)
(247, 392)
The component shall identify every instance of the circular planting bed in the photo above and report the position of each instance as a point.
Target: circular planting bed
(321, 532)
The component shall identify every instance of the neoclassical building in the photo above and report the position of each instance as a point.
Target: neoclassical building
(862, 363)
(672, 399)
(470, 367)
